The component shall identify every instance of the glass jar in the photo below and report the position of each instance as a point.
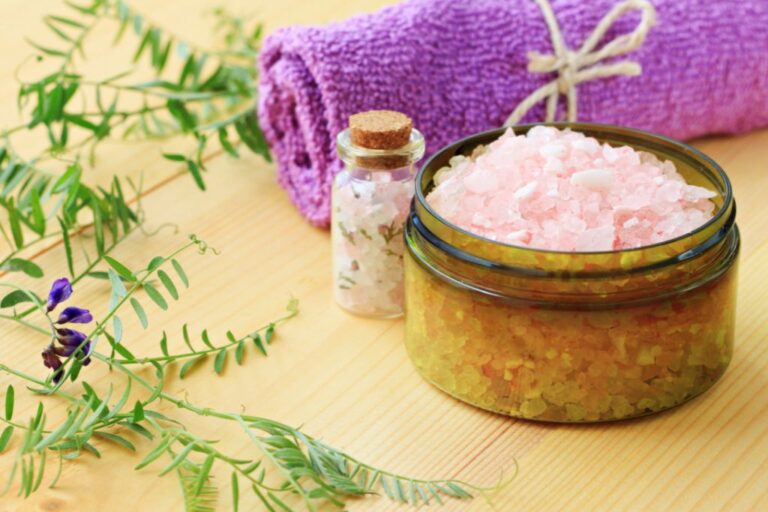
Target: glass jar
(370, 203)
(573, 337)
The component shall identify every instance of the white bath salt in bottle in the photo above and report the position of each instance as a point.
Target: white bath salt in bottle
(371, 200)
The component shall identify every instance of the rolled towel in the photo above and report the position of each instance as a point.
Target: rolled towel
(460, 67)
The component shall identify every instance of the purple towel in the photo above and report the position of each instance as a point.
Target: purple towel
(459, 67)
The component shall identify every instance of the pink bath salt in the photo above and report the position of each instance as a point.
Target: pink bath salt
(561, 190)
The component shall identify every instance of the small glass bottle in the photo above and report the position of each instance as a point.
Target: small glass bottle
(371, 200)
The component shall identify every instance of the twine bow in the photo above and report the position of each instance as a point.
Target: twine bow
(584, 64)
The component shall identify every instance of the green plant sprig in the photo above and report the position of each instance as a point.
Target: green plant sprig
(312, 470)
(261, 338)
(211, 97)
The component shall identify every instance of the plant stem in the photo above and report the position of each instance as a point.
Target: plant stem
(26, 324)
(27, 246)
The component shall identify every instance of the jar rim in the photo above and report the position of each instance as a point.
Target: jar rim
(693, 154)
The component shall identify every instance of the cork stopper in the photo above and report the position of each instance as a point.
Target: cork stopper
(380, 129)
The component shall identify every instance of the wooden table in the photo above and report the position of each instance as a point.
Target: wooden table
(348, 380)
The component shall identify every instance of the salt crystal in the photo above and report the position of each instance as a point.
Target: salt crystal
(610, 153)
(596, 179)
(517, 236)
(586, 145)
(480, 182)
(542, 132)
(631, 222)
(553, 165)
(559, 190)
(526, 191)
(553, 150)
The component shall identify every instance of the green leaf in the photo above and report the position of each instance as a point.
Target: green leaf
(385, 486)
(202, 475)
(21, 265)
(226, 144)
(168, 283)
(259, 344)
(56, 434)
(120, 348)
(155, 453)
(57, 30)
(163, 56)
(187, 121)
(178, 459)
(9, 400)
(51, 52)
(138, 429)
(194, 170)
(235, 492)
(121, 269)
(13, 220)
(140, 312)
(81, 122)
(117, 324)
(174, 157)
(280, 503)
(143, 43)
(180, 272)
(185, 335)
(138, 23)
(92, 449)
(67, 247)
(116, 439)
(458, 491)
(164, 344)
(40, 472)
(5, 437)
(399, 491)
(270, 333)
(123, 399)
(206, 339)
(38, 216)
(66, 21)
(138, 412)
(155, 263)
(189, 365)
(68, 180)
(189, 66)
(118, 288)
(239, 352)
(17, 297)
(155, 295)
(221, 358)
(247, 128)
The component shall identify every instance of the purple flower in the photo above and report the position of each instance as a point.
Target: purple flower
(68, 350)
(70, 337)
(60, 291)
(74, 315)
(51, 360)
(66, 342)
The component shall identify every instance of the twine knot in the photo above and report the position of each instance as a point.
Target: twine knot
(584, 64)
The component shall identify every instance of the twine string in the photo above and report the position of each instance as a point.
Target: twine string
(584, 64)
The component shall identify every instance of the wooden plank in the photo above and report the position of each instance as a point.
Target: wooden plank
(349, 381)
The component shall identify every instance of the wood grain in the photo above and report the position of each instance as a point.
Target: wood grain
(348, 380)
